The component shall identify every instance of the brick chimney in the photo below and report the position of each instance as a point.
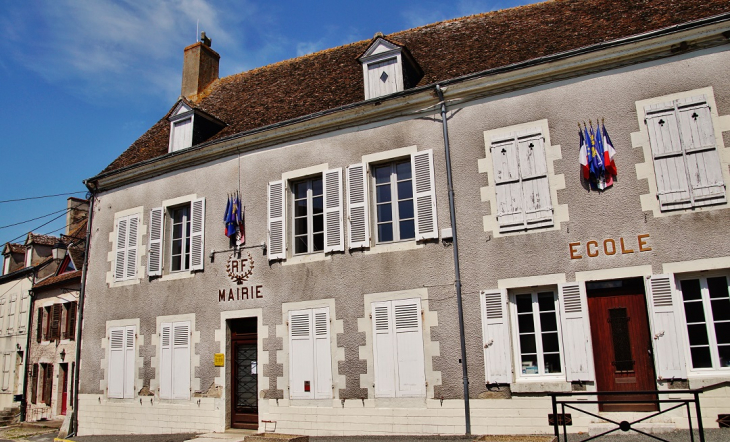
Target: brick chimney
(200, 68)
(78, 211)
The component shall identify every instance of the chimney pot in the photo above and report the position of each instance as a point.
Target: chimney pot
(200, 68)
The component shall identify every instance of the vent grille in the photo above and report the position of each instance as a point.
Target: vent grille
(571, 299)
(381, 318)
(300, 325)
(661, 292)
(493, 305)
(406, 316)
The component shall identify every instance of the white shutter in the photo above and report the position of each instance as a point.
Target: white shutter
(6, 371)
(424, 194)
(301, 354)
(165, 374)
(358, 219)
(576, 331)
(671, 175)
(410, 373)
(702, 160)
(129, 361)
(495, 329)
(131, 259)
(383, 349)
(665, 328)
(115, 374)
(535, 185)
(181, 360)
(11, 314)
(154, 264)
(121, 252)
(322, 354)
(509, 210)
(277, 221)
(197, 234)
(334, 240)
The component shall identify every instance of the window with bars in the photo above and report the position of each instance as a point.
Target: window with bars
(707, 316)
(538, 337)
(308, 215)
(393, 187)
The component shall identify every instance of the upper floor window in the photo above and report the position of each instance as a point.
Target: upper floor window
(189, 126)
(180, 253)
(125, 261)
(181, 244)
(388, 68)
(395, 218)
(308, 219)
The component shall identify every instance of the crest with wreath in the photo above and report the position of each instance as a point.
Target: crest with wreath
(241, 276)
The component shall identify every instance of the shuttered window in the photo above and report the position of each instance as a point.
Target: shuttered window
(175, 360)
(576, 329)
(686, 162)
(34, 385)
(520, 176)
(47, 383)
(55, 318)
(537, 334)
(184, 247)
(39, 325)
(121, 368)
(310, 355)
(6, 371)
(125, 261)
(495, 330)
(398, 348)
(669, 360)
(69, 329)
(11, 314)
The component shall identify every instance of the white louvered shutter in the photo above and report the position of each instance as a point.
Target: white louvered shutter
(665, 328)
(277, 221)
(154, 263)
(358, 219)
(11, 314)
(301, 355)
(410, 373)
(495, 329)
(383, 349)
(334, 239)
(181, 360)
(669, 167)
(505, 159)
(6, 371)
(131, 259)
(197, 234)
(322, 354)
(115, 374)
(424, 194)
(129, 361)
(165, 374)
(535, 185)
(576, 331)
(702, 160)
(121, 249)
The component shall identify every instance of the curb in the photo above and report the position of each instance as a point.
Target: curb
(56, 439)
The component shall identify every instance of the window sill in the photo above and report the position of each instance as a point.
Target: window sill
(393, 247)
(303, 259)
(701, 380)
(177, 275)
(540, 386)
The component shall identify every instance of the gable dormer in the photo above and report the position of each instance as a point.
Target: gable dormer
(388, 67)
(189, 126)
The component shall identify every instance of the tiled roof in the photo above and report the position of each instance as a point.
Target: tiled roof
(46, 240)
(333, 78)
(51, 280)
(15, 248)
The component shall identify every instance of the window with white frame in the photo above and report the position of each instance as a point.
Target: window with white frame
(310, 355)
(686, 161)
(521, 181)
(125, 247)
(537, 335)
(403, 205)
(308, 215)
(706, 305)
(185, 237)
(398, 348)
(175, 360)
(122, 363)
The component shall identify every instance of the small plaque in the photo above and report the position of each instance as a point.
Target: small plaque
(219, 360)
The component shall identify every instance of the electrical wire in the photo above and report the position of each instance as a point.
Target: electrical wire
(42, 196)
(32, 219)
(65, 211)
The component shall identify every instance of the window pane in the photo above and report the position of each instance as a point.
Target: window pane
(318, 242)
(722, 331)
(405, 190)
(694, 312)
(552, 363)
(524, 303)
(525, 323)
(382, 174)
(382, 194)
(701, 357)
(546, 301)
(385, 232)
(300, 244)
(403, 170)
(317, 187)
(697, 334)
(407, 229)
(176, 230)
(691, 289)
(177, 247)
(548, 322)
(176, 260)
(300, 190)
(300, 226)
(717, 287)
(300, 208)
(529, 364)
(318, 223)
(720, 309)
(385, 213)
(317, 205)
(550, 342)
(405, 209)
(724, 351)
(527, 344)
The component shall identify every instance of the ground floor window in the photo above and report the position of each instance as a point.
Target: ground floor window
(538, 340)
(707, 317)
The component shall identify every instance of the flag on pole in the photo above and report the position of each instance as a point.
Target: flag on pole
(226, 215)
(240, 220)
(608, 153)
(583, 156)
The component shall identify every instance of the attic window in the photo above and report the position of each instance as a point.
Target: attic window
(189, 127)
(388, 68)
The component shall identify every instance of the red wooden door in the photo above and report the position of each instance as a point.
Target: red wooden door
(622, 343)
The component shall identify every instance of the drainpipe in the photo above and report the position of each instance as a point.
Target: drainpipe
(80, 315)
(457, 272)
(31, 307)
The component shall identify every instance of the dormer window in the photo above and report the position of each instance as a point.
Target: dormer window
(387, 68)
(189, 126)
(28, 256)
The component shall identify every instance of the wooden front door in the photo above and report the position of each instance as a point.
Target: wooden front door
(64, 387)
(244, 373)
(621, 342)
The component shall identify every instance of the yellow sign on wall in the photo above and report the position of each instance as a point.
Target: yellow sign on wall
(219, 360)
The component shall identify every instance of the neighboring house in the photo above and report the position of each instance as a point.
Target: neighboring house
(340, 310)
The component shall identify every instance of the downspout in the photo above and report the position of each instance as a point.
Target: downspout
(80, 316)
(31, 307)
(457, 272)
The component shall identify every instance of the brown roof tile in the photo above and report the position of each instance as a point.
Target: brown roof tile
(46, 240)
(58, 279)
(16, 248)
(444, 50)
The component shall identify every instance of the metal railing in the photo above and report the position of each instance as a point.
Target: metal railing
(673, 404)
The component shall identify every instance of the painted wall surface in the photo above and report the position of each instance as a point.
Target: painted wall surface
(13, 335)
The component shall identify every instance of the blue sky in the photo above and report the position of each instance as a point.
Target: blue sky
(84, 79)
